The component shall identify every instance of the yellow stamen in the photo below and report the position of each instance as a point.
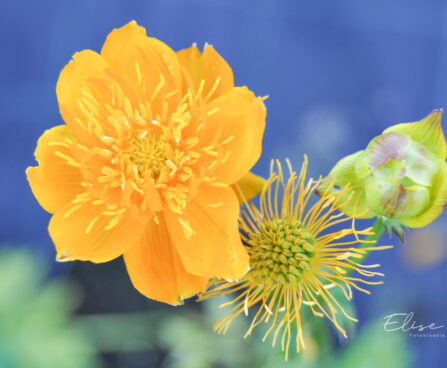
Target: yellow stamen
(291, 263)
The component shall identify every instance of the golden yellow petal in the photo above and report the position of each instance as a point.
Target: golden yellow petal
(249, 186)
(83, 89)
(80, 233)
(210, 67)
(206, 235)
(148, 66)
(240, 118)
(54, 182)
(156, 270)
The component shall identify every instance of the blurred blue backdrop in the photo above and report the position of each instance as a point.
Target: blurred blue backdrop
(337, 73)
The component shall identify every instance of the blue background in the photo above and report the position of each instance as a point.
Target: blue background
(337, 73)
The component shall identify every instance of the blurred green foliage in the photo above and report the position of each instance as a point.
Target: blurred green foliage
(186, 335)
(36, 329)
(372, 348)
(193, 345)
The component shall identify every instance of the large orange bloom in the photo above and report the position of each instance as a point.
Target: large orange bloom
(152, 141)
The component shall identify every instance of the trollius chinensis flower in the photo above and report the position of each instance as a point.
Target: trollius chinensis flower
(297, 259)
(143, 165)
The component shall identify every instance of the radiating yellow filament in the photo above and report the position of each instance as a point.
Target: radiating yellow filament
(295, 261)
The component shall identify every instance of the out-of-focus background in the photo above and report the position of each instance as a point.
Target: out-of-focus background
(337, 73)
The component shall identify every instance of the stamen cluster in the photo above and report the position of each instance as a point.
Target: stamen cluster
(281, 251)
(149, 155)
(295, 260)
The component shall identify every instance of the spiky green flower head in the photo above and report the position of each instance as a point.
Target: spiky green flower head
(301, 260)
(401, 175)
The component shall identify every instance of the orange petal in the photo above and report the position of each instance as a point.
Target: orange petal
(207, 237)
(83, 89)
(156, 270)
(240, 120)
(82, 235)
(209, 67)
(248, 186)
(141, 61)
(54, 182)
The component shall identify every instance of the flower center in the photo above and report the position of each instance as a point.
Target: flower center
(150, 155)
(281, 251)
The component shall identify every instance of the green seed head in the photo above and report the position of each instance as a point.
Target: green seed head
(281, 251)
(400, 176)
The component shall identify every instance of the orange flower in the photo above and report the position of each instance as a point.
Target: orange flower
(143, 167)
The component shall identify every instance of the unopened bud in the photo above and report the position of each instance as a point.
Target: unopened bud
(401, 175)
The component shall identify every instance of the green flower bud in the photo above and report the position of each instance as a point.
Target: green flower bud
(401, 175)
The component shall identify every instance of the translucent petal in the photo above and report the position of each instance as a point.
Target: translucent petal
(427, 131)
